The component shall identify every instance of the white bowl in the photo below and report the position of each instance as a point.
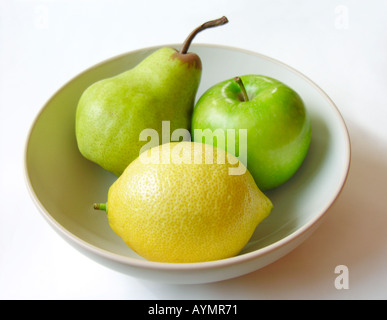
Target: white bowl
(64, 185)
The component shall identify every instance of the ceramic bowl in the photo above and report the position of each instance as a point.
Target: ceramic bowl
(64, 185)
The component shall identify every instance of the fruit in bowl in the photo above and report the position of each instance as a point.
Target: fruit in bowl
(277, 124)
(54, 166)
(190, 211)
(179, 203)
(112, 112)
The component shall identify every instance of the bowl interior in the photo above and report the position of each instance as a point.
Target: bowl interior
(65, 185)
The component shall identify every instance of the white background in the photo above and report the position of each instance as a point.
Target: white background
(340, 45)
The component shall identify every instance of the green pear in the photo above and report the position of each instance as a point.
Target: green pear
(112, 113)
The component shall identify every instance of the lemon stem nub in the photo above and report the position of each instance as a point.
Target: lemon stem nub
(100, 206)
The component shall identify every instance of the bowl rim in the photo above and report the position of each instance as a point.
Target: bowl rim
(164, 266)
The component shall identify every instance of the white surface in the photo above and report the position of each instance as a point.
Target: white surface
(338, 44)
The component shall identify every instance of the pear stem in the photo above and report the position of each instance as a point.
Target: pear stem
(209, 24)
(100, 206)
(238, 80)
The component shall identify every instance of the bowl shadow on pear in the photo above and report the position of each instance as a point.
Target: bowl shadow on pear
(285, 198)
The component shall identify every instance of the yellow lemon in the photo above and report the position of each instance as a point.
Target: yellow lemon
(185, 202)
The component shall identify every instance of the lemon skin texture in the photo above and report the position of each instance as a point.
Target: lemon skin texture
(184, 211)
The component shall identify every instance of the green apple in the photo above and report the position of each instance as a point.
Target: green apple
(276, 122)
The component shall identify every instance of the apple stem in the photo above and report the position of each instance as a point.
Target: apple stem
(209, 24)
(238, 80)
(100, 206)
